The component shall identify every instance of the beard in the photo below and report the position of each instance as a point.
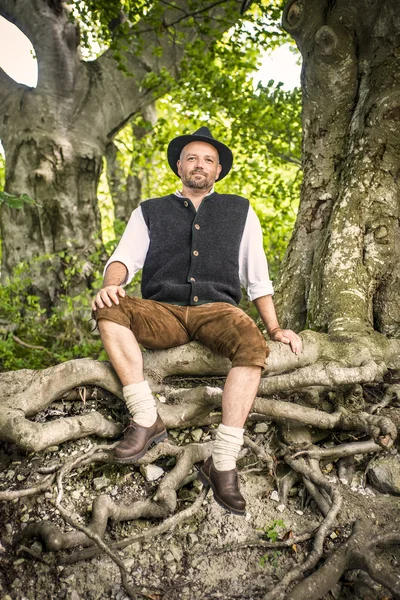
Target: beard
(197, 183)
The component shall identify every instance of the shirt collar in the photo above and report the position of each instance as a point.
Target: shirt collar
(180, 195)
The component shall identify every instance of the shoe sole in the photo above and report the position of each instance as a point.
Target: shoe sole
(207, 482)
(152, 442)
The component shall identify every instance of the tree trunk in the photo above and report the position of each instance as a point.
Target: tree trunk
(126, 187)
(341, 271)
(55, 135)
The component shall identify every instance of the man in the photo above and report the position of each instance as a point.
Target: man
(196, 248)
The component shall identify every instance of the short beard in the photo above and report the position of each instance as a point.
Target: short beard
(197, 184)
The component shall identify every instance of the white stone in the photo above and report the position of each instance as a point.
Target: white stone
(274, 496)
(281, 507)
(151, 472)
(261, 428)
(100, 482)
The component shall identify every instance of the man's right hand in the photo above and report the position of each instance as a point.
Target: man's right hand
(107, 296)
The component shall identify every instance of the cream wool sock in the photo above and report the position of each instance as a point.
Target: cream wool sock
(140, 402)
(227, 445)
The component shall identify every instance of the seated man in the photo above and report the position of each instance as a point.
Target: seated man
(196, 248)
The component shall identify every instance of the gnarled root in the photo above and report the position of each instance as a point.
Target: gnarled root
(160, 506)
(356, 553)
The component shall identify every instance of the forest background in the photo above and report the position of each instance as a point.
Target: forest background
(259, 119)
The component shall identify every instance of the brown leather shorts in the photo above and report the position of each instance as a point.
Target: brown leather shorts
(223, 328)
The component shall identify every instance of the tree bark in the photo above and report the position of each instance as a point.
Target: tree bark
(56, 134)
(126, 185)
(341, 271)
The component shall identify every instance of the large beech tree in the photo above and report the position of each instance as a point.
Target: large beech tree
(341, 273)
(56, 134)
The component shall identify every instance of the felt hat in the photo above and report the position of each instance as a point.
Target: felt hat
(201, 135)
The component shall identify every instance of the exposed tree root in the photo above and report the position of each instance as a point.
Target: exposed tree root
(356, 553)
(167, 525)
(8, 495)
(160, 506)
(299, 465)
(323, 361)
(324, 364)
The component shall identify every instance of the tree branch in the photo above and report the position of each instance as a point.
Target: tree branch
(124, 95)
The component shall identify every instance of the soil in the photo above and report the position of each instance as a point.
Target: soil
(183, 564)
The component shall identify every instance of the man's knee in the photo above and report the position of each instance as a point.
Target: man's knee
(251, 348)
(117, 313)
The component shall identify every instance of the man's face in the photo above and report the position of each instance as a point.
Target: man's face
(199, 166)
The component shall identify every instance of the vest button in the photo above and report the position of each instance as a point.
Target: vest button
(195, 253)
(197, 226)
(192, 279)
(195, 299)
(186, 203)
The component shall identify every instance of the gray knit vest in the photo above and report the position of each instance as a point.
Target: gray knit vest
(193, 257)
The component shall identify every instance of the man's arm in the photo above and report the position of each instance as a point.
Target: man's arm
(115, 276)
(266, 308)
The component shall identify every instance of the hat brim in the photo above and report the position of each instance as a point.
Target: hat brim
(176, 146)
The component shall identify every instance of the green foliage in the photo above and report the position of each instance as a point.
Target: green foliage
(16, 201)
(272, 533)
(34, 337)
(271, 558)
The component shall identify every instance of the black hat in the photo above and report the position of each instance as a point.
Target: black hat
(201, 135)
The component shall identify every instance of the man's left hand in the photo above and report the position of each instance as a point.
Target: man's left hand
(287, 336)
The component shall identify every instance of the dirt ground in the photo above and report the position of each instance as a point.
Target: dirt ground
(183, 564)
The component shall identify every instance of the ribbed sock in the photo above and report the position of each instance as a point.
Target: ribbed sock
(227, 445)
(141, 403)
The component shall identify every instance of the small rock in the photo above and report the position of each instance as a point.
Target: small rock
(192, 539)
(19, 561)
(177, 552)
(20, 477)
(333, 535)
(16, 583)
(248, 516)
(100, 482)
(7, 597)
(52, 449)
(384, 475)
(72, 595)
(10, 474)
(9, 528)
(2, 549)
(24, 518)
(261, 428)
(151, 472)
(281, 507)
(299, 512)
(76, 494)
(196, 435)
(169, 557)
(174, 433)
(274, 496)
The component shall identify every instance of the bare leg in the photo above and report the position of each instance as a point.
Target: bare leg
(123, 351)
(239, 393)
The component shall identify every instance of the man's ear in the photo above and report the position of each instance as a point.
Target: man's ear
(219, 172)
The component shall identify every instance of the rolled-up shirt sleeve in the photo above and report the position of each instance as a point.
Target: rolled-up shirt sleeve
(133, 246)
(253, 265)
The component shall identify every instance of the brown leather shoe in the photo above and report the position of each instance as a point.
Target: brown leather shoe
(138, 440)
(225, 485)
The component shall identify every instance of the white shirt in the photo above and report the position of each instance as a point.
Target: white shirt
(253, 266)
